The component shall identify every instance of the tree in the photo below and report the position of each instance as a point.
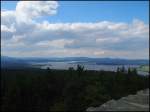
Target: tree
(80, 69)
(134, 71)
(123, 69)
(49, 70)
(129, 70)
(71, 69)
(118, 70)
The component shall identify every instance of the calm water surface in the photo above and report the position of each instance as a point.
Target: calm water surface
(87, 66)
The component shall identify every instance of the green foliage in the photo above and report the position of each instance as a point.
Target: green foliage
(80, 69)
(123, 69)
(129, 70)
(71, 69)
(135, 71)
(65, 90)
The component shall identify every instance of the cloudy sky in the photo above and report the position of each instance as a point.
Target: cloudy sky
(65, 29)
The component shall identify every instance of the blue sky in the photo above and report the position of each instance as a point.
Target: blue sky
(67, 23)
(93, 11)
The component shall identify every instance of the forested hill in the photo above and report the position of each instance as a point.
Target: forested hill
(65, 90)
(13, 63)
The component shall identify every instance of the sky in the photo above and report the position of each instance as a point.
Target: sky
(69, 28)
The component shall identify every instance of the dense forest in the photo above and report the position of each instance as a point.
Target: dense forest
(65, 90)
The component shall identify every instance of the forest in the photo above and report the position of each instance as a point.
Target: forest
(65, 90)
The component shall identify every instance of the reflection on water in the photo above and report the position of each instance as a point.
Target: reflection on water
(87, 66)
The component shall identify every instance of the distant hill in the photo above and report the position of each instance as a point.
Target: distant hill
(110, 61)
(99, 61)
(12, 62)
(9, 62)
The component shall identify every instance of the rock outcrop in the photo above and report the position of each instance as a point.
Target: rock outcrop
(138, 102)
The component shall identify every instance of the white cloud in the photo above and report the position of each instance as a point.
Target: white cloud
(60, 43)
(28, 10)
(99, 53)
(8, 17)
(21, 33)
(7, 29)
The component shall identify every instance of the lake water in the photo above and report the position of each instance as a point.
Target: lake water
(87, 66)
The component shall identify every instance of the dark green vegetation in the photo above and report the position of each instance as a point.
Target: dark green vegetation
(52, 90)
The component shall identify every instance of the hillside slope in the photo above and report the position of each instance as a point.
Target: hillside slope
(138, 102)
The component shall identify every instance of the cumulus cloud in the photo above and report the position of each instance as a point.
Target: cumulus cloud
(28, 10)
(8, 17)
(60, 43)
(22, 35)
(7, 29)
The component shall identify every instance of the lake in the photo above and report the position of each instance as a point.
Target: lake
(87, 66)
